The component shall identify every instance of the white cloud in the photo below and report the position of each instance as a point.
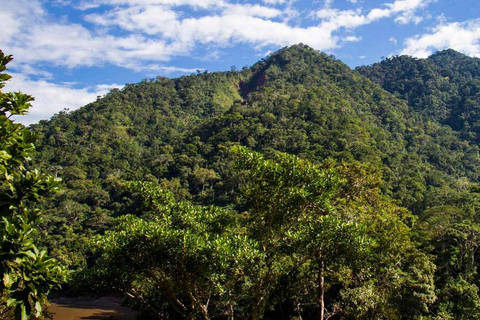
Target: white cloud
(223, 30)
(407, 10)
(408, 17)
(264, 54)
(407, 5)
(152, 33)
(9, 26)
(170, 69)
(352, 39)
(334, 19)
(274, 1)
(251, 24)
(328, 3)
(167, 70)
(460, 36)
(156, 30)
(73, 45)
(138, 34)
(104, 88)
(403, 10)
(253, 11)
(32, 71)
(14, 14)
(202, 4)
(150, 20)
(393, 40)
(51, 98)
(86, 6)
(377, 14)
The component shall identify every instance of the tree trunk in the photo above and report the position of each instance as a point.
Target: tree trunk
(203, 308)
(321, 288)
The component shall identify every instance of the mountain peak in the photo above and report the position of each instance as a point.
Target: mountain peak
(293, 54)
(299, 64)
(296, 49)
(448, 53)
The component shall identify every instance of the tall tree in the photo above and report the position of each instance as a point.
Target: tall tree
(329, 233)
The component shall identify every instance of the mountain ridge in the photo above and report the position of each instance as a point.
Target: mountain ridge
(444, 87)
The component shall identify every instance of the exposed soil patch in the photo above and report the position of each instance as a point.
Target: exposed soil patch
(103, 308)
(257, 81)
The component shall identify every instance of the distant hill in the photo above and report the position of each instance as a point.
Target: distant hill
(445, 87)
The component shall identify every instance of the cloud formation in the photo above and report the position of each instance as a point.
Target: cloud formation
(137, 33)
(404, 12)
(51, 98)
(460, 36)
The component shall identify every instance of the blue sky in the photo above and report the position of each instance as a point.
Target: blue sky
(68, 52)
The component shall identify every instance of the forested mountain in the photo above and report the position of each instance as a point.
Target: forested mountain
(297, 101)
(445, 87)
(411, 130)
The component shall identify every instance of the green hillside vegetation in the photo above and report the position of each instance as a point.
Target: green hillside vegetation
(308, 222)
(445, 87)
(306, 242)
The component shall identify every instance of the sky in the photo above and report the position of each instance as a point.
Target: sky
(69, 52)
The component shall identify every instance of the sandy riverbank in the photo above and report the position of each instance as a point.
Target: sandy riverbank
(102, 308)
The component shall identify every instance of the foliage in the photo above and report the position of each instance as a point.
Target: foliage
(413, 125)
(301, 247)
(452, 234)
(175, 132)
(27, 273)
(336, 240)
(178, 260)
(446, 87)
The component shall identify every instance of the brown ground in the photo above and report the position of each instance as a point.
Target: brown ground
(104, 308)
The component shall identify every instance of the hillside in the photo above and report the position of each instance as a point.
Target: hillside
(445, 87)
(297, 101)
(178, 132)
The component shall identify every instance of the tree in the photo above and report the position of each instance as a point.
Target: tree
(288, 203)
(205, 177)
(452, 234)
(315, 240)
(340, 245)
(177, 260)
(28, 273)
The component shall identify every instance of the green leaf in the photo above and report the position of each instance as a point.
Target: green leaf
(11, 302)
(38, 308)
(25, 313)
(31, 255)
(21, 312)
(7, 280)
(5, 77)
